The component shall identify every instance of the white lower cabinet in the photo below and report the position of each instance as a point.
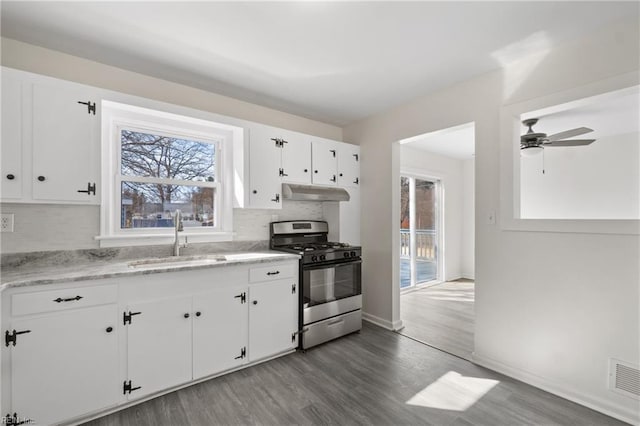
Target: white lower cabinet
(65, 365)
(158, 342)
(71, 358)
(219, 331)
(272, 310)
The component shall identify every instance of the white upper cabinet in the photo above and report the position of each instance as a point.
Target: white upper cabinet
(11, 148)
(66, 144)
(324, 154)
(50, 140)
(296, 158)
(265, 186)
(348, 165)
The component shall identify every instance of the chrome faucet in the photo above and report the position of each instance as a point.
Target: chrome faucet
(177, 224)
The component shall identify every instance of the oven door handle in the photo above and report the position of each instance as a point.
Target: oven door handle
(331, 265)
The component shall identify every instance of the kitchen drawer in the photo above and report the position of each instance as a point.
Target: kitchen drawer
(273, 272)
(62, 299)
(329, 329)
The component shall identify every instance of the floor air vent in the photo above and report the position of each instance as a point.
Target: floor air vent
(624, 378)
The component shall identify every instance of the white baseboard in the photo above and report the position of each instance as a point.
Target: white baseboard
(606, 407)
(381, 322)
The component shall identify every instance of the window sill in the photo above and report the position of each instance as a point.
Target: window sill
(107, 241)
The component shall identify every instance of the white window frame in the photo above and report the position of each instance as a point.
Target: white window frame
(117, 117)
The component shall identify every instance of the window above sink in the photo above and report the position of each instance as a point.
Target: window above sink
(155, 163)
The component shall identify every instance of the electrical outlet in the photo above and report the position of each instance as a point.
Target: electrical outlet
(6, 222)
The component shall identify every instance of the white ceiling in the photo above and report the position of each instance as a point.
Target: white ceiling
(335, 62)
(455, 142)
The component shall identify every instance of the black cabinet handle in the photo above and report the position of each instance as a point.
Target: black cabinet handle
(255, 302)
(198, 313)
(357, 181)
(333, 151)
(340, 174)
(70, 299)
(41, 178)
(273, 273)
(333, 179)
(109, 329)
(306, 170)
(315, 171)
(10, 176)
(186, 315)
(255, 192)
(277, 199)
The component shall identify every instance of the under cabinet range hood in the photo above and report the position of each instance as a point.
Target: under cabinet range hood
(313, 193)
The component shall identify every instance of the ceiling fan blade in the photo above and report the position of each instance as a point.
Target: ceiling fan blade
(570, 142)
(569, 133)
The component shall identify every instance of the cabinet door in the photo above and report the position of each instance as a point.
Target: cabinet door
(159, 345)
(219, 331)
(264, 170)
(296, 159)
(348, 165)
(11, 144)
(272, 318)
(66, 366)
(324, 160)
(65, 144)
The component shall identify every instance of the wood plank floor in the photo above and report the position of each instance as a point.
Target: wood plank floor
(366, 378)
(441, 316)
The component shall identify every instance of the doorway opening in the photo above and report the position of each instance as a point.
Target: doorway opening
(437, 243)
(419, 230)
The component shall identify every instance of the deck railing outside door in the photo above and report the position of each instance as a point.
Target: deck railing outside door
(425, 243)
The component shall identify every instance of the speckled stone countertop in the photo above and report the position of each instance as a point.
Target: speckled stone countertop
(64, 267)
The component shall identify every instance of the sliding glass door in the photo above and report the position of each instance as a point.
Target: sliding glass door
(419, 218)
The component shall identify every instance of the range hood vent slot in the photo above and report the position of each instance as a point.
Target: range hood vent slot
(313, 193)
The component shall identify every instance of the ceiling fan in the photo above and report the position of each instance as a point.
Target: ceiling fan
(532, 142)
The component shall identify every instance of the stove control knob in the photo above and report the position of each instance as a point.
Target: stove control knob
(314, 258)
(323, 257)
(346, 254)
(353, 254)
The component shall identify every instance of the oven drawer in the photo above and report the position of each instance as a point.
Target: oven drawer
(273, 272)
(63, 299)
(331, 328)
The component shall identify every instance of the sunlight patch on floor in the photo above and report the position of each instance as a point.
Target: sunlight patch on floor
(453, 391)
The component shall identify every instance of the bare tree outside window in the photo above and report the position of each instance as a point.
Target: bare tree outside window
(152, 202)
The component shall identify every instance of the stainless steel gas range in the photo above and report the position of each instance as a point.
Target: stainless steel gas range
(330, 274)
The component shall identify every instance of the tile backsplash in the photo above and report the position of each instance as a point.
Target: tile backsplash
(44, 227)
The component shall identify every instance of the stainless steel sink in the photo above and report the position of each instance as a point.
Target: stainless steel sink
(177, 261)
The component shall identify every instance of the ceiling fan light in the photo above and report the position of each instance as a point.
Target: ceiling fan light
(530, 151)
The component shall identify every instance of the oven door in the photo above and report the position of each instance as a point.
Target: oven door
(330, 282)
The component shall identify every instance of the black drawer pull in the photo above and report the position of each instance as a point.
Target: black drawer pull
(255, 302)
(198, 313)
(41, 178)
(273, 273)
(186, 315)
(70, 299)
(109, 329)
(10, 176)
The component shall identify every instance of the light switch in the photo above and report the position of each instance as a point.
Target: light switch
(491, 218)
